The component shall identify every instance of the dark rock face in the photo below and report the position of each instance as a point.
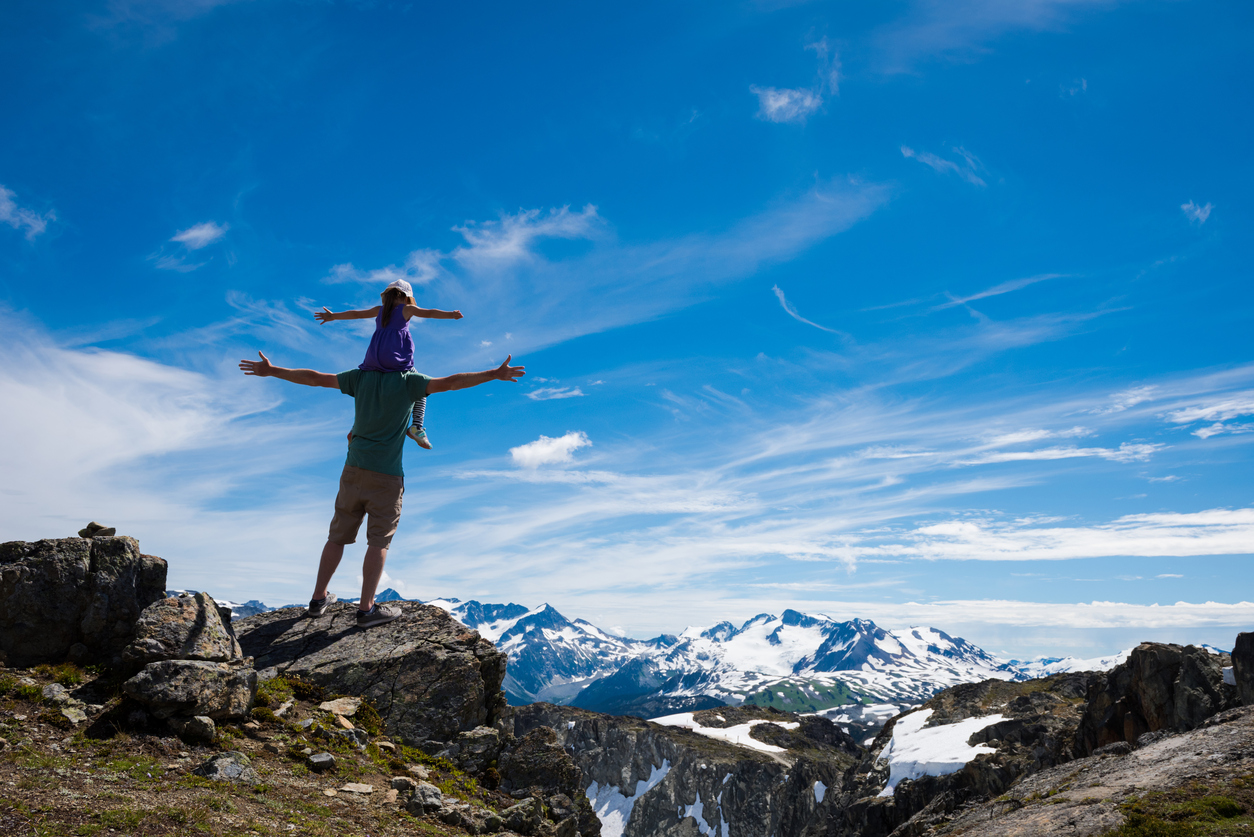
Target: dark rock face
(1038, 732)
(1160, 687)
(74, 593)
(429, 676)
(1243, 667)
(680, 783)
(537, 760)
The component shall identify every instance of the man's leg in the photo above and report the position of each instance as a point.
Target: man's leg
(371, 572)
(331, 555)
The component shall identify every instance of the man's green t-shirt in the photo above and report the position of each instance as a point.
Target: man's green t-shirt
(383, 402)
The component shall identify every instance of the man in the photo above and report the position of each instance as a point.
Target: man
(372, 482)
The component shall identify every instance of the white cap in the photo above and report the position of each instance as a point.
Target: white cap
(401, 285)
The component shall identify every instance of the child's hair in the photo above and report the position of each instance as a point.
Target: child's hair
(393, 297)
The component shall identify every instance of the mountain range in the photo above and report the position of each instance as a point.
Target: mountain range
(853, 672)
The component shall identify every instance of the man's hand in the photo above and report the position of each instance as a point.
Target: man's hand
(261, 368)
(308, 377)
(324, 316)
(505, 372)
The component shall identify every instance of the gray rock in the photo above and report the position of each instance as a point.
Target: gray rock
(427, 798)
(74, 715)
(1119, 748)
(232, 766)
(356, 737)
(55, 693)
(428, 676)
(321, 761)
(404, 783)
(199, 729)
(186, 627)
(525, 817)
(194, 687)
(1243, 667)
(67, 592)
(474, 749)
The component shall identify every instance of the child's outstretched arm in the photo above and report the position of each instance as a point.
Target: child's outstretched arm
(431, 313)
(326, 315)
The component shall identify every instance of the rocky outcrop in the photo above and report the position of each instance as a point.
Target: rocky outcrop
(1091, 796)
(430, 677)
(190, 670)
(1159, 687)
(655, 780)
(76, 598)
(1243, 667)
(185, 627)
(1038, 732)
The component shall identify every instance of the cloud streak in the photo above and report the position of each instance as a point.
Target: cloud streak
(18, 217)
(792, 312)
(966, 169)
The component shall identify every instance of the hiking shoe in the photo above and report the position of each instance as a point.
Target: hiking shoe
(317, 607)
(419, 435)
(377, 615)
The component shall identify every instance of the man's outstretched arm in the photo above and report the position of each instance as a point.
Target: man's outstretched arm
(265, 369)
(462, 380)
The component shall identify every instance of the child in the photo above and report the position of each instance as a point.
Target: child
(391, 346)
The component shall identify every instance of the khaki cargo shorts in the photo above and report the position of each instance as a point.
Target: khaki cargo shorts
(364, 493)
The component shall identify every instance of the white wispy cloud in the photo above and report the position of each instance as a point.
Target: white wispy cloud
(996, 290)
(550, 451)
(195, 237)
(200, 235)
(1124, 453)
(792, 312)
(553, 393)
(1127, 399)
(1196, 214)
(1219, 412)
(21, 218)
(510, 239)
(419, 268)
(785, 104)
(796, 104)
(966, 169)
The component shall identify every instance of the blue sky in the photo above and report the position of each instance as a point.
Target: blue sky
(916, 311)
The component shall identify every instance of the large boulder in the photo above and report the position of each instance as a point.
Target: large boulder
(74, 597)
(185, 627)
(539, 761)
(1243, 667)
(1159, 687)
(429, 676)
(188, 688)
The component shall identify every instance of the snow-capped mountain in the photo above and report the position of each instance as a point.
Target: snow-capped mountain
(854, 672)
(550, 657)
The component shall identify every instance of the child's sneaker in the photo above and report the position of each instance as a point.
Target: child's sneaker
(419, 435)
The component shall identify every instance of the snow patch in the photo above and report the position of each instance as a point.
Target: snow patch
(697, 812)
(820, 791)
(936, 751)
(613, 809)
(738, 735)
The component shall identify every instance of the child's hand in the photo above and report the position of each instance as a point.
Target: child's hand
(457, 315)
(324, 316)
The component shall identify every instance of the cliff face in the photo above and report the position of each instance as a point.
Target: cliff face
(645, 779)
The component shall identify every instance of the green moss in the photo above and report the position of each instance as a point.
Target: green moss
(54, 718)
(367, 717)
(265, 715)
(304, 690)
(7, 684)
(1195, 809)
(31, 693)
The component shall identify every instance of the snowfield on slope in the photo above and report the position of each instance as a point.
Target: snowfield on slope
(935, 751)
